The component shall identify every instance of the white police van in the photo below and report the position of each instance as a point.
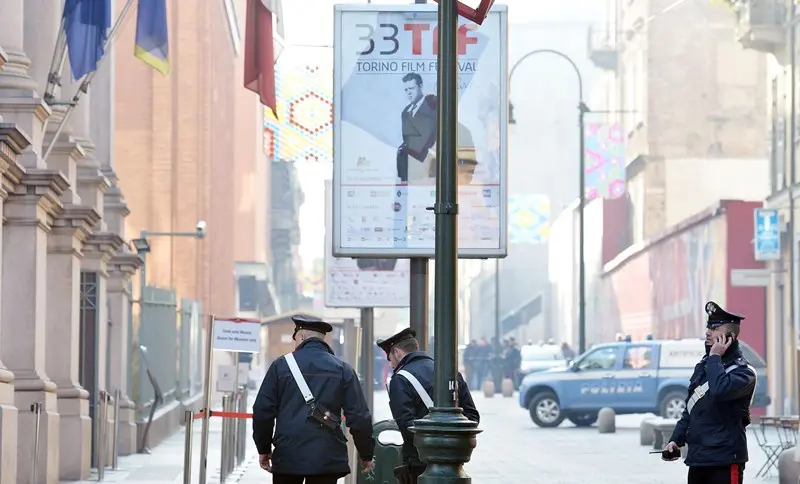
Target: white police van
(630, 377)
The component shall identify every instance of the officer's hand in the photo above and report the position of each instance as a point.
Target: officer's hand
(672, 447)
(368, 465)
(264, 462)
(721, 345)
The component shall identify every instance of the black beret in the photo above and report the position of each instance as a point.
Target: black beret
(387, 344)
(718, 316)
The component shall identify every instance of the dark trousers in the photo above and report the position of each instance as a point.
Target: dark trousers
(321, 479)
(732, 474)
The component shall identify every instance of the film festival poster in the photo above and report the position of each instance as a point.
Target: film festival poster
(386, 133)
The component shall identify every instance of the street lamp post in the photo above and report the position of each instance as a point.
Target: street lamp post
(582, 110)
(142, 246)
(445, 438)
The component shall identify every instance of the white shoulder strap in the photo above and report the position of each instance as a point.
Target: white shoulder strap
(298, 378)
(426, 399)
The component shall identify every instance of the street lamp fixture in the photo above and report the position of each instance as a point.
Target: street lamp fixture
(583, 109)
(142, 246)
(473, 10)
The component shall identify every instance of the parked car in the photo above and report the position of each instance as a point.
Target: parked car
(536, 358)
(629, 377)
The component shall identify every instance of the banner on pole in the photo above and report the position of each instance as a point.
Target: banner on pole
(385, 132)
(528, 218)
(605, 161)
(362, 283)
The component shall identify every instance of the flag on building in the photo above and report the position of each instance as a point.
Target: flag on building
(152, 35)
(86, 24)
(259, 52)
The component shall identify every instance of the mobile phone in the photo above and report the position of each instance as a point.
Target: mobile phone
(730, 335)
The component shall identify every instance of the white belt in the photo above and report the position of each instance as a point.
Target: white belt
(701, 391)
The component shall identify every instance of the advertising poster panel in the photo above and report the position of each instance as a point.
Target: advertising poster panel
(385, 132)
(362, 283)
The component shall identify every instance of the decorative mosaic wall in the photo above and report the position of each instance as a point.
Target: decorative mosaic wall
(304, 89)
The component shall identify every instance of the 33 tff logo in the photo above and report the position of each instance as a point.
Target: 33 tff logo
(383, 39)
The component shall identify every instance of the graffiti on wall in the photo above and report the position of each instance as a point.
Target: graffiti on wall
(688, 270)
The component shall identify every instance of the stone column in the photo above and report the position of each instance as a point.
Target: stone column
(120, 270)
(12, 142)
(29, 214)
(19, 101)
(65, 246)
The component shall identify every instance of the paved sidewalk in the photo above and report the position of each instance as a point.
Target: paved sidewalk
(165, 463)
(510, 449)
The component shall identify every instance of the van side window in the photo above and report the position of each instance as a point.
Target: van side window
(600, 359)
(638, 358)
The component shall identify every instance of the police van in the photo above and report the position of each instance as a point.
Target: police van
(630, 377)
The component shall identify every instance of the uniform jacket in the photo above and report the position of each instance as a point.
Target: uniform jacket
(715, 427)
(407, 406)
(302, 447)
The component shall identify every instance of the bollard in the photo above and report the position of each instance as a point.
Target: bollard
(606, 421)
(488, 388)
(231, 435)
(242, 425)
(223, 465)
(188, 418)
(36, 409)
(102, 417)
(234, 461)
(115, 437)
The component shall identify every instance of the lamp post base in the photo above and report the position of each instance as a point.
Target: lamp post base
(445, 440)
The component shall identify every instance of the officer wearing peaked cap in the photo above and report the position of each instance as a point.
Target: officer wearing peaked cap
(717, 411)
(297, 413)
(410, 390)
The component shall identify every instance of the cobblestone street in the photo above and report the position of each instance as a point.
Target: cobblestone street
(510, 449)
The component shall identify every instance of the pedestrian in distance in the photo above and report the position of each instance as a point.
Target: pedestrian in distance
(297, 424)
(410, 390)
(717, 411)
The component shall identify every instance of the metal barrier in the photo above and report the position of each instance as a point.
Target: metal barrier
(115, 436)
(188, 421)
(101, 446)
(36, 408)
(234, 435)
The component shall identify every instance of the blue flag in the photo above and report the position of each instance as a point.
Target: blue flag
(152, 39)
(86, 23)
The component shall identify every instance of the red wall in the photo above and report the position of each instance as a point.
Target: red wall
(665, 284)
(747, 301)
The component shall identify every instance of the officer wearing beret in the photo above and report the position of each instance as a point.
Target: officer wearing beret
(298, 412)
(410, 390)
(717, 407)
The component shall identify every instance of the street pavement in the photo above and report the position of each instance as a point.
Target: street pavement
(510, 449)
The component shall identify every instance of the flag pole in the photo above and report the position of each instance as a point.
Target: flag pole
(57, 64)
(84, 87)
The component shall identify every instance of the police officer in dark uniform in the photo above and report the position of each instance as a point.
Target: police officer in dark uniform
(410, 391)
(302, 398)
(718, 406)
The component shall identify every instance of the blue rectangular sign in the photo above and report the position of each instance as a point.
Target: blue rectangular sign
(767, 243)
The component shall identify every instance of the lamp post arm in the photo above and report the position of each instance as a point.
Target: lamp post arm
(558, 54)
(170, 234)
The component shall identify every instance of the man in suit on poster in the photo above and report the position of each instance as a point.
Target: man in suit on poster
(419, 125)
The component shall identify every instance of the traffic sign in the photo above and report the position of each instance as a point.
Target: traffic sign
(767, 244)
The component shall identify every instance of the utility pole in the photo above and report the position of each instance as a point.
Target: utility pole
(445, 438)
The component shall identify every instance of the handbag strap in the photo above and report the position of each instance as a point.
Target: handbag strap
(426, 399)
(298, 378)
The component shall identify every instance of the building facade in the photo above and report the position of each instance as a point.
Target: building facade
(181, 148)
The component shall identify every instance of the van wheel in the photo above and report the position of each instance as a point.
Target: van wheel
(584, 420)
(545, 410)
(673, 404)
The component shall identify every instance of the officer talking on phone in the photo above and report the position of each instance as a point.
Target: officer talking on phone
(717, 411)
(302, 399)
(410, 399)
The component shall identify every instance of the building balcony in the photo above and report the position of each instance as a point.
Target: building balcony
(760, 24)
(602, 47)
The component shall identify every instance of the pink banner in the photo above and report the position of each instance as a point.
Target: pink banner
(605, 161)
